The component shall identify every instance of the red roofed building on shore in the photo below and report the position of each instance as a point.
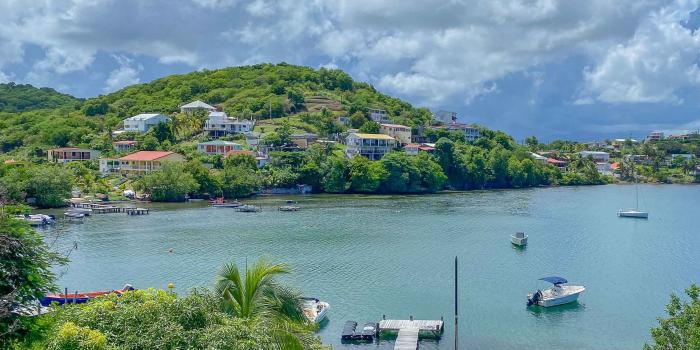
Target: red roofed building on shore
(557, 163)
(139, 162)
(260, 160)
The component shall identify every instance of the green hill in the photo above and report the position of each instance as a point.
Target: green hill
(22, 98)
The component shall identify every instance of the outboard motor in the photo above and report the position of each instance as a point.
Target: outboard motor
(534, 298)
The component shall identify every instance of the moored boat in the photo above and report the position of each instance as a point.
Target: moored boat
(289, 206)
(248, 208)
(558, 294)
(79, 298)
(519, 239)
(315, 310)
(37, 219)
(633, 213)
(221, 203)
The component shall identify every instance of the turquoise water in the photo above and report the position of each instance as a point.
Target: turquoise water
(393, 255)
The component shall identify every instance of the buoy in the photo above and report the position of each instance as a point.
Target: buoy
(170, 250)
(171, 286)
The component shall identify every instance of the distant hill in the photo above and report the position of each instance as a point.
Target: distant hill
(259, 91)
(25, 97)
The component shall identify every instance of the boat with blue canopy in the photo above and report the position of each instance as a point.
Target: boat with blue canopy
(558, 294)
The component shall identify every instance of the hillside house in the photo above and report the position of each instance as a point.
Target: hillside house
(70, 154)
(401, 133)
(378, 115)
(140, 162)
(195, 106)
(124, 146)
(218, 147)
(372, 146)
(143, 122)
(598, 157)
(219, 124)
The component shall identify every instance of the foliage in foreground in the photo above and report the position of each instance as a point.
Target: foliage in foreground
(681, 329)
(25, 271)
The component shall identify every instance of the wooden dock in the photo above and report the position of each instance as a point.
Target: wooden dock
(137, 211)
(407, 339)
(410, 330)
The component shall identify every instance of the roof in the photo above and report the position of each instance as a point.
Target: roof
(555, 161)
(127, 142)
(238, 151)
(218, 114)
(594, 152)
(306, 135)
(146, 155)
(197, 104)
(374, 136)
(394, 125)
(426, 148)
(218, 142)
(64, 149)
(145, 116)
(615, 166)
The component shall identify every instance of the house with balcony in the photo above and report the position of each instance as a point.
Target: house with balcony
(218, 147)
(124, 146)
(144, 121)
(303, 140)
(372, 146)
(471, 132)
(401, 133)
(195, 106)
(597, 156)
(413, 149)
(655, 136)
(219, 124)
(71, 154)
(378, 115)
(138, 163)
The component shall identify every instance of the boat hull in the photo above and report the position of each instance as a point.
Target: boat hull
(559, 301)
(520, 242)
(633, 214)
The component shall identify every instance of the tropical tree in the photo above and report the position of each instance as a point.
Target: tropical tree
(255, 295)
(169, 184)
(681, 330)
(370, 127)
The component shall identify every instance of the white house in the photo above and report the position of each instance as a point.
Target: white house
(196, 106)
(70, 154)
(372, 146)
(445, 117)
(378, 115)
(655, 136)
(471, 132)
(218, 147)
(401, 133)
(598, 157)
(538, 158)
(219, 124)
(142, 122)
(124, 146)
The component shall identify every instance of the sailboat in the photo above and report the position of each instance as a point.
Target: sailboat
(634, 212)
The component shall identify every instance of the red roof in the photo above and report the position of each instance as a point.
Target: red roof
(233, 152)
(426, 148)
(555, 161)
(615, 166)
(146, 155)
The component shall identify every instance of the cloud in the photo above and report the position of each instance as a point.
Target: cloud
(653, 65)
(127, 74)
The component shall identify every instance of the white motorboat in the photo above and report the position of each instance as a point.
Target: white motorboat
(633, 213)
(84, 211)
(519, 239)
(37, 219)
(558, 294)
(315, 310)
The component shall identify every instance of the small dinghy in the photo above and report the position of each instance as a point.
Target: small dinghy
(79, 298)
(519, 239)
(37, 219)
(558, 294)
(315, 310)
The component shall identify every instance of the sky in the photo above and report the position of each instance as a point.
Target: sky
(579, 70)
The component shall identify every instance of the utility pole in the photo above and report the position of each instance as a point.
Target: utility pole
(456, 310)
(270, 108)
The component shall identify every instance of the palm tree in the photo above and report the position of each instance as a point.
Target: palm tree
(257, 297)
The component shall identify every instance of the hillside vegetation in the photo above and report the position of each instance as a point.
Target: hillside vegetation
(22, 98)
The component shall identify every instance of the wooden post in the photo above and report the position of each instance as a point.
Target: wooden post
(456, 310)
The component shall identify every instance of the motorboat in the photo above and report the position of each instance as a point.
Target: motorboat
(314, 309)
(37, 219)
(633, 213)
(248, 208)
(84, 211)
(79, 298)
(519, 239)
(558, 294)
(221, 203)
(289, 206)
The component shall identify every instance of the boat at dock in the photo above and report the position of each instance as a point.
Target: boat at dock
(519, 239)
(558, 294)
(84, 211)
(221, 203)
(37, 219)
(315, 310)
(79, 298)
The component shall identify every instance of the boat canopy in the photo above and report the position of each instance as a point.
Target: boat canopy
(554, 279)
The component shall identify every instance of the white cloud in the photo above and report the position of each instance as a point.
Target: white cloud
(653, 65)
(127, 74)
